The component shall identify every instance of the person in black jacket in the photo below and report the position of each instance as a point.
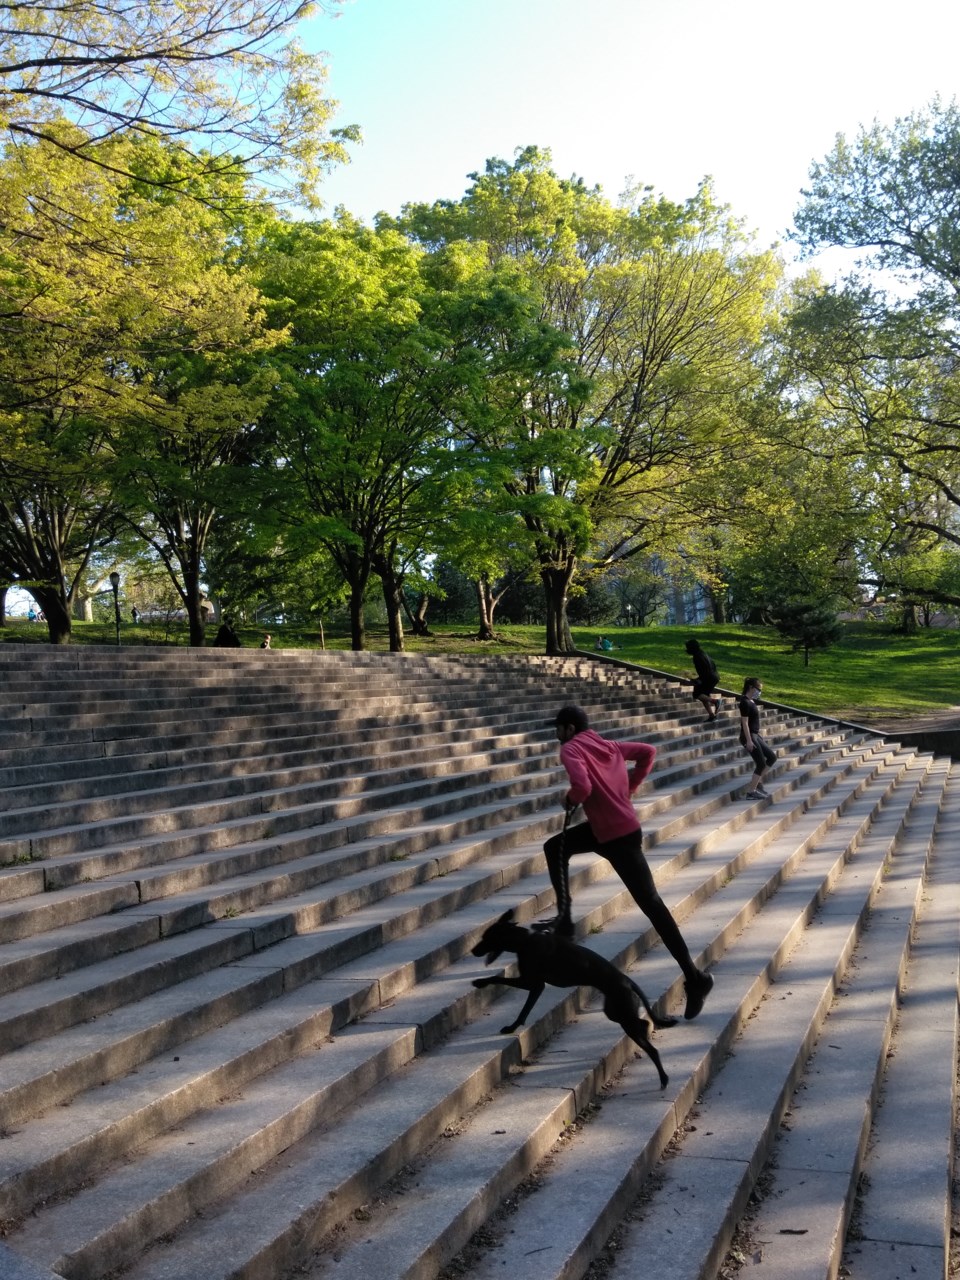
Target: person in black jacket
(705, 685)
(226, 637)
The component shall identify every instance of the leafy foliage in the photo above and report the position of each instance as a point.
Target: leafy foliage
(653, 310)
(224, 81)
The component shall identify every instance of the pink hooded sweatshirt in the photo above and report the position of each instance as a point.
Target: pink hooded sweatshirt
(599, 780)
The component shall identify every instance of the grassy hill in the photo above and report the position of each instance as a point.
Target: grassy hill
(872, 671)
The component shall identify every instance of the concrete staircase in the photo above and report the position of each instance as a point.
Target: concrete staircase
(238, 1036)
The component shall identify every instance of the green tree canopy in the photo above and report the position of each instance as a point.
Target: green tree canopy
(123, 316)
(659, 306)
(881, 352)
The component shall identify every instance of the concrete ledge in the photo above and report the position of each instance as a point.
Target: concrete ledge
(939, 742)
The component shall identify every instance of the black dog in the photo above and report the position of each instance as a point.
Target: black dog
(545, 958)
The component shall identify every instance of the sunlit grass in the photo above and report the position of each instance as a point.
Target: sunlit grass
(872, 670)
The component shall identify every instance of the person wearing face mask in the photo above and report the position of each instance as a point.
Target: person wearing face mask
(762, 755)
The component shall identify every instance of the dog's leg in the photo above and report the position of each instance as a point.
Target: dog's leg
(536, 991)
(534, 994)
(636, 1029)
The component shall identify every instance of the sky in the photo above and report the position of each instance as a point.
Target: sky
(662, 92)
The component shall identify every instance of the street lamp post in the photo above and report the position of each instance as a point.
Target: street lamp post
(115, 584)
(629, 615)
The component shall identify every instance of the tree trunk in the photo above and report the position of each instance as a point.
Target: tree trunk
(356, 574)
(485, 605)
(56, 613)
(420, 625)
(192, 599)
(3, 606)
(394, 620)
(718, 605)
(358, 634)
(392, 583)
(556, 583)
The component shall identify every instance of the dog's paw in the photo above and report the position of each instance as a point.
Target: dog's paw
(479, 982)
(508, 1031)
(659, 1021)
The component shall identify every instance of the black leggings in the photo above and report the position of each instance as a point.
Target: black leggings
(625, 855)
(762, 755)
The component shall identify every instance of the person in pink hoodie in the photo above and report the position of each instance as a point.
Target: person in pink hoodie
(601, 782)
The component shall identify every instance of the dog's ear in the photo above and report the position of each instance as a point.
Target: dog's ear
(507, 917)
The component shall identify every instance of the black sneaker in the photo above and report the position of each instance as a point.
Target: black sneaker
(697, 991)
(562, 926)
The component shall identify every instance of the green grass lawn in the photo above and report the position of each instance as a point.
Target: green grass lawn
(872, 671)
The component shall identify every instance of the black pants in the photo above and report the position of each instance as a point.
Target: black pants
(625, 855)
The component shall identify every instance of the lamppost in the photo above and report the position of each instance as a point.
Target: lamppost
(629, 615)
(115, 583)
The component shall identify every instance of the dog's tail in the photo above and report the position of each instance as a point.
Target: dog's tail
(655, 1018)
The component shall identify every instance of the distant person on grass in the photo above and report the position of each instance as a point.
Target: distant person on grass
(762, 755)
(705, 686)
(226, 637)
(599, 780)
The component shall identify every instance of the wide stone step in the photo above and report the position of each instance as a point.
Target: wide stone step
(572, 1204)
(224, 1076)
(248, 873)
(332, 725)
(337, 1168)
(837, 1003)
(718, 877)
(152, 784)
(314, 923)
(868, 1134)
(52, 846)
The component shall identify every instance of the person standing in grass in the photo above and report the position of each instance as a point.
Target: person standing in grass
(762, 755)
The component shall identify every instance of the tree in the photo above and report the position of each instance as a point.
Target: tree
(72, 293)
(657, 308)
(390, 346)
(225, 80)
(885, 356)
(893, 193)
(361, 411)
(123, 318)
(810, 625)
(190, 459)
(55, 510)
